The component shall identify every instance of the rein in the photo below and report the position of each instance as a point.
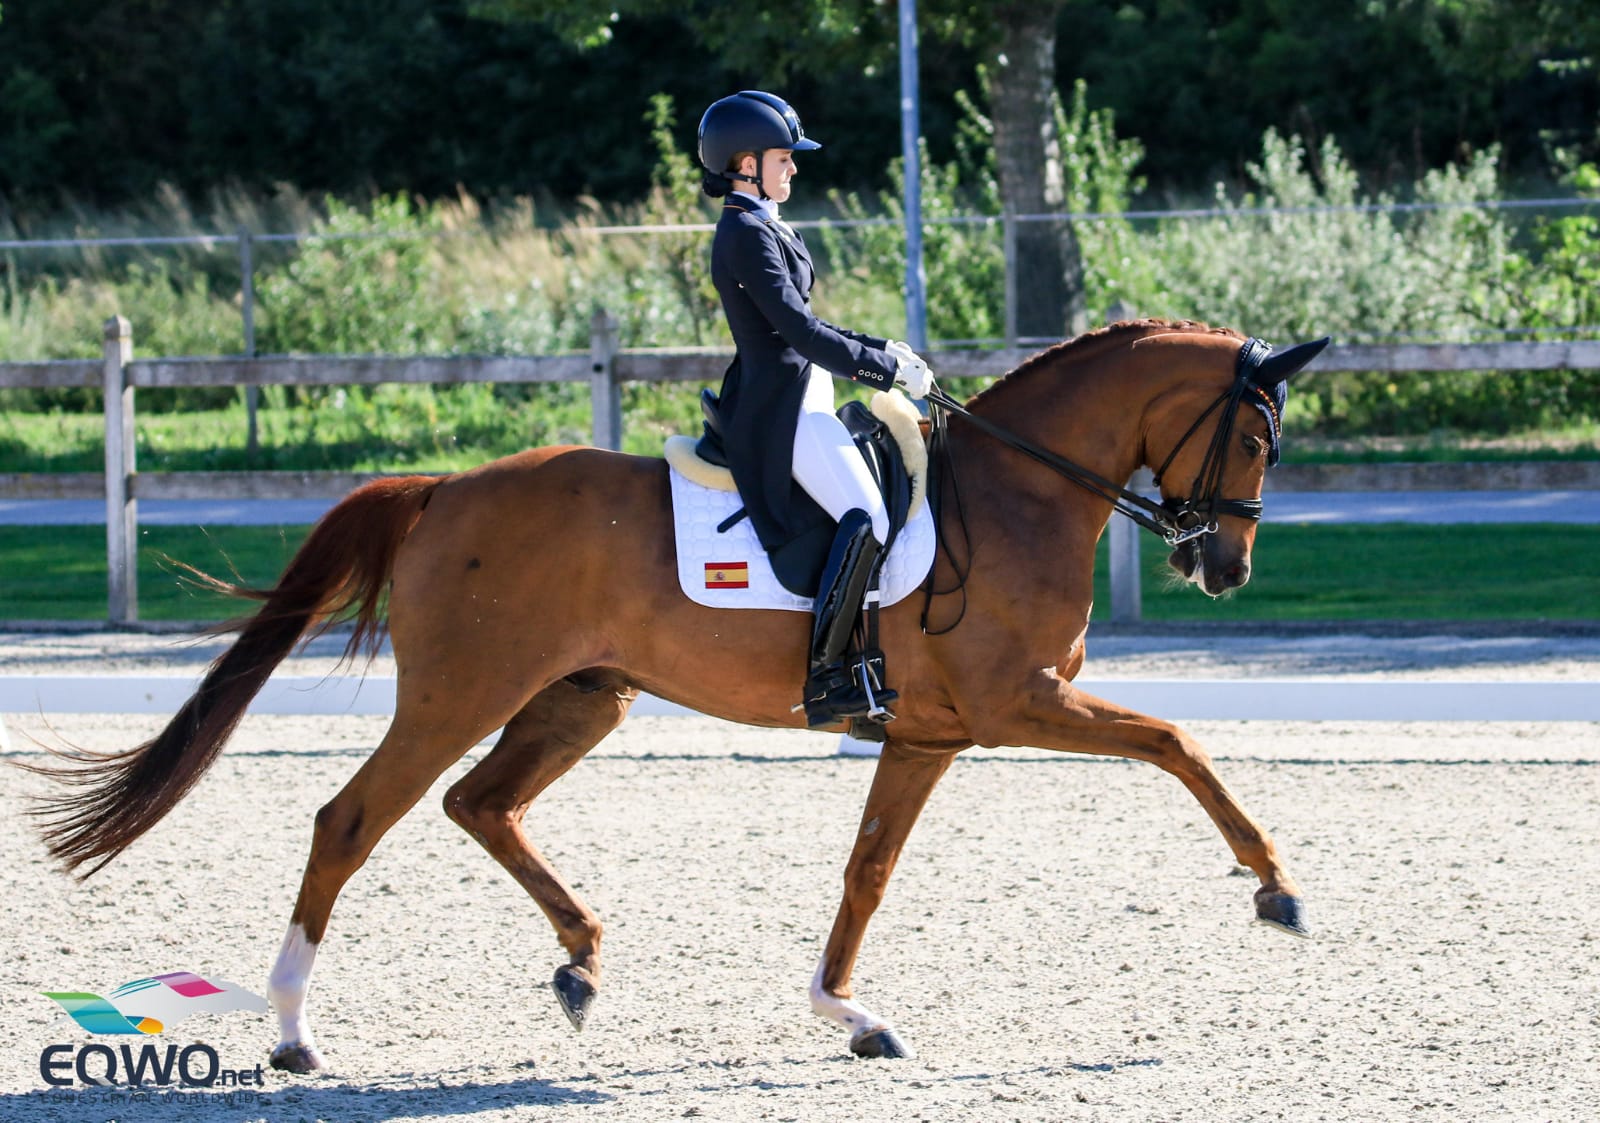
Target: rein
(1175, 521)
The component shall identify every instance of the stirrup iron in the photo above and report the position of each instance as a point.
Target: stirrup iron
(867, 672)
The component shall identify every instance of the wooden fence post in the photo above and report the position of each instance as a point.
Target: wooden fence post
(1127, 601)
(1127, 606)
(122, 509)
(605, 395)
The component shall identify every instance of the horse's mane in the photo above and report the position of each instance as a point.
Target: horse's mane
(1075, 349)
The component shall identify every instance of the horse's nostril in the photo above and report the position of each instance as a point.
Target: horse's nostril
(1185, 559)
(1236, 574)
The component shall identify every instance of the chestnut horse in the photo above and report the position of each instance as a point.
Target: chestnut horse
(539, 593)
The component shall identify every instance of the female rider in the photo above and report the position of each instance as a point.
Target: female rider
(776, 405)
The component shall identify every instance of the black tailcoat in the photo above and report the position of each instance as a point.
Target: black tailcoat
(764, 278)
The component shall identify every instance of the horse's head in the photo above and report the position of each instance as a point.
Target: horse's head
(1210, 439)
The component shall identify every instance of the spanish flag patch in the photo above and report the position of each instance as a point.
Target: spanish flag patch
(727, 575)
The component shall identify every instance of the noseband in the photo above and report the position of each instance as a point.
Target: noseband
(1176, 520)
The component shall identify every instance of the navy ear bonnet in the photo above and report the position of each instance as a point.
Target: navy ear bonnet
(1269, 401)
(1266, 373)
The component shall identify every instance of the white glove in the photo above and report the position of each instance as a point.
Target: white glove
(911, 371)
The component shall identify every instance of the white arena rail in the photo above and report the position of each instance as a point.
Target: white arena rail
(1286, 699)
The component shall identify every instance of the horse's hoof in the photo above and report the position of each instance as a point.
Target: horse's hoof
(575, 993)
(1283, 911)
(884, 1042)
(296, 1058)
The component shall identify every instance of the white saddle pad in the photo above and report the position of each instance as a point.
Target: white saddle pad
(731, 570)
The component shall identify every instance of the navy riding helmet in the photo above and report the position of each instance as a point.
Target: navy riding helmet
(749, 121)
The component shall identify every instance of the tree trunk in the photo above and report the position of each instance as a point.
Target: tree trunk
(1020, 76)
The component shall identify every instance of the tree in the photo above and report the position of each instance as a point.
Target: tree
(1521, 43)
(323, 96)
(1019, 73)
(1014, 41)
(1404, 85)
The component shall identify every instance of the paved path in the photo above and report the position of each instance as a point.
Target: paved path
(1284, 507)
(1434, 506)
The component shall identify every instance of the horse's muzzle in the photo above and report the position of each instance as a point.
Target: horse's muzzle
(1200, 562)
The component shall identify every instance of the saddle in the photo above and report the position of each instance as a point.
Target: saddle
(802, 564)
(894, 455)
(722, 563)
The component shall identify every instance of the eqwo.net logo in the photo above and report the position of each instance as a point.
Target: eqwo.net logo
(146, 1007)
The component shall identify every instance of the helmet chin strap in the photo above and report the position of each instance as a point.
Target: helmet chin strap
(755, 179)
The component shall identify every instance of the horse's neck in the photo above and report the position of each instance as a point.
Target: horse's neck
(1089, 414)
(1031, 531)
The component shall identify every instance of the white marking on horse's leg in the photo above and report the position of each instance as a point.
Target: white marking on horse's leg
(291, 978)
(847, 1012)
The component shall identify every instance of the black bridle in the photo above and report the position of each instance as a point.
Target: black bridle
(1198, 514)
(1176, 521)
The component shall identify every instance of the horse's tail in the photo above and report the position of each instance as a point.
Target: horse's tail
(340, 572)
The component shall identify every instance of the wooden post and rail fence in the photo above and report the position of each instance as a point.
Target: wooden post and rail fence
(607, 366)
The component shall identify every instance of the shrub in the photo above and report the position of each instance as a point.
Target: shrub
(398, 276)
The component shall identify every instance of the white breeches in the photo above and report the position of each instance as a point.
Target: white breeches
(826, 462)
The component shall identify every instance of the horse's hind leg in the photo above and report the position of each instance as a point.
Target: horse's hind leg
(550, 734)
(413, 754)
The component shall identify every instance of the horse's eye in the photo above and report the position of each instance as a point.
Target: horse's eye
(1254, 446)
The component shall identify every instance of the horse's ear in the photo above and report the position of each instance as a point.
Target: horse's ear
(1281, 365)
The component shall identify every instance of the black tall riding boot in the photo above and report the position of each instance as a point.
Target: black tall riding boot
(833, 691)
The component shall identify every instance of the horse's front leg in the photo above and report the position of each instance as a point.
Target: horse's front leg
(1054, 714)
(906, 776)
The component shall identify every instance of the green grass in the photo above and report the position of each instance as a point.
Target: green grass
(1383, 572)
(1393, 571)
(387, 429)
(59, 572)
(446, 429)
(395, 428)
(1576, 441)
